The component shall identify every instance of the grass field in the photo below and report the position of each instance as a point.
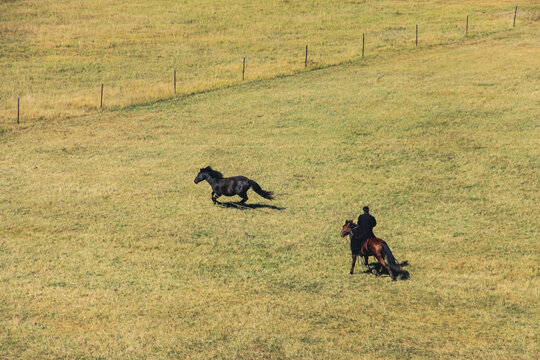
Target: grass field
(55, 55)
(109, 250)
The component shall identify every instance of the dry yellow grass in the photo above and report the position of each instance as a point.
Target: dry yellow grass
(108, 249)
(54, 55)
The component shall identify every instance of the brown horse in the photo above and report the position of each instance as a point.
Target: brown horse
(378, 248)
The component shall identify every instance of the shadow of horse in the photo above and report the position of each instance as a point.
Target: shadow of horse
(232, 205)
(378, 269)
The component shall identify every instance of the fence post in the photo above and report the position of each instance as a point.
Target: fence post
(305, 64)
(18, 111)
(243, 68)
(175, 81)
(417, 35)
(467, 27)
(101, 101)
(363, 41)
(515, 13)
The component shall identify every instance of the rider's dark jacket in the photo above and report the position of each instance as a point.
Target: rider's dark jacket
(362, 232)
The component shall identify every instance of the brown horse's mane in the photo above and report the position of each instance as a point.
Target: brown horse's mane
(351, 223)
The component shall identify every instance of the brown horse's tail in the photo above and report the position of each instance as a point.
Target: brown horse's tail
(392, 262)
(265, 194)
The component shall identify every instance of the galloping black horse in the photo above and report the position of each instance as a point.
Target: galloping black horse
(230, 186)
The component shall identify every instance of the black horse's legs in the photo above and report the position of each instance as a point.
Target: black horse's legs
(353, 262)
(244, 197)
(366, 261)
(214, 198)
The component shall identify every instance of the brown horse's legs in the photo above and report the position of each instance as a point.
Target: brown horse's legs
(384, 265)
(353, 262)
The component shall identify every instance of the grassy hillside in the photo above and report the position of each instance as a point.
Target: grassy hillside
(54, 55)
(109, 250)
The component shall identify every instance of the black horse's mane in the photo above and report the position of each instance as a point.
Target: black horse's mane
(213, 173)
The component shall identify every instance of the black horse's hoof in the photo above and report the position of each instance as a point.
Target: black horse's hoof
(351, 273)
(377, 274)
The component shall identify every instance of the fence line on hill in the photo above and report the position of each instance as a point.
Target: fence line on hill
(305, 64)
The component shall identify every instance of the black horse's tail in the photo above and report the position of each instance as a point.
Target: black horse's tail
(265, 194)
(392, 262)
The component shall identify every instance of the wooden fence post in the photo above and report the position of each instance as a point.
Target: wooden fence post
(18, 110)
(175, 81)
(417, 35)
(243, 68)
(467, 27)
(305, 64)
(363, 42)
(101, 101)
(515, 13)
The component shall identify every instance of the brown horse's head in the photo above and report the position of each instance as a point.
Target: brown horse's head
(348, 228)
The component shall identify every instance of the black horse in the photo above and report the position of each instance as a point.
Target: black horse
(230, 186)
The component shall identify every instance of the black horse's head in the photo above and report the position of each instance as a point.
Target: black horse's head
(200, 177)
(206, 173)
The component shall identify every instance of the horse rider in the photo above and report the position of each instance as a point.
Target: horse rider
(364, 229)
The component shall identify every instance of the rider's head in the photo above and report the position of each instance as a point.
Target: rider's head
(366, 209)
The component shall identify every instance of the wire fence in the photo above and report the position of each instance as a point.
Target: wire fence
(376, 43)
